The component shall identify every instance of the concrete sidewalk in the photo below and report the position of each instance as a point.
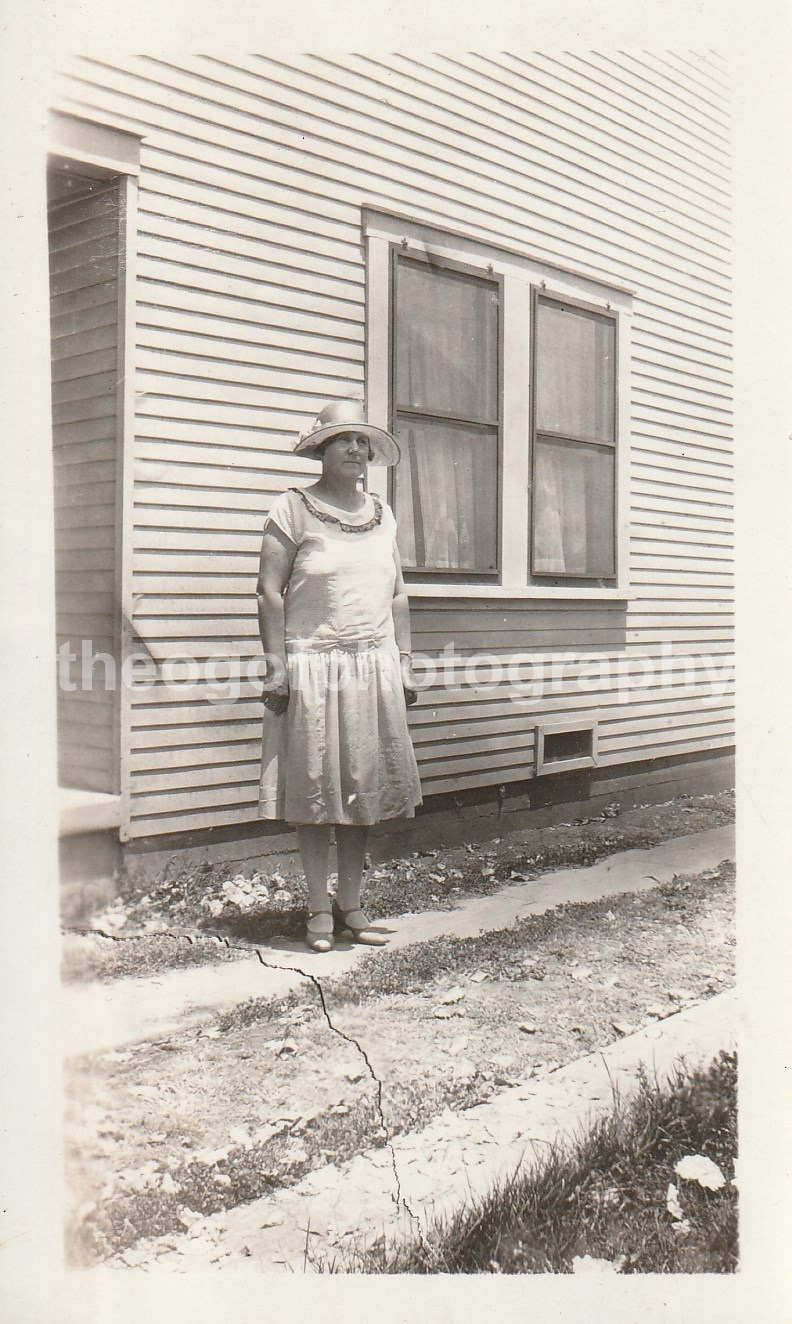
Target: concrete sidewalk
(99, 1016)
(396, 1190)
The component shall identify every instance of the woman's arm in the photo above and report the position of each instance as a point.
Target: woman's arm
(401, 627)
(277, 558)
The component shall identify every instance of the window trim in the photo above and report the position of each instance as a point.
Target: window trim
(559, 726)
(440, 575)
(520, 273)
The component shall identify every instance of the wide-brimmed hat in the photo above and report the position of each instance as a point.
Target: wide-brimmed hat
(347, 416)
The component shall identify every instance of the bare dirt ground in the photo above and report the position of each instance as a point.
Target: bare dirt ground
(164, 1133)
(259, 907)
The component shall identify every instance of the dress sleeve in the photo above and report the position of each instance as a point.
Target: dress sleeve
(285, 512)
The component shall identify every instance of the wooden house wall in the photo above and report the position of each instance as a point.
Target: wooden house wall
(250, 315)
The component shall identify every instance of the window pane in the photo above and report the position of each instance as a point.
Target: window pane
(575, 372)
(446, 342)
(445, 496)
(574, 510)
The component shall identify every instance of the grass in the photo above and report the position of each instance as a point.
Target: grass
(209, 1187)
(89, 956)
(502, 953)
(434, 880)
(522, 951)
(530, 967)
(604, 1197)
(239, 1174)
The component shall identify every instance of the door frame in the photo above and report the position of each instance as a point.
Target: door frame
(103, 151)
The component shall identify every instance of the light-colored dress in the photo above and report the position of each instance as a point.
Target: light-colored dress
(341, 753)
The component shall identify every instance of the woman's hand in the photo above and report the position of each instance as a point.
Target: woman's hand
(408, 680)
(276, 690)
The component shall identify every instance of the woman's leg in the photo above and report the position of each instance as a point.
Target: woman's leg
(313, 841)
(351, 844)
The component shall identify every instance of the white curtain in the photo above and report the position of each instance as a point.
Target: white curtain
(446, 496)
(574, 508)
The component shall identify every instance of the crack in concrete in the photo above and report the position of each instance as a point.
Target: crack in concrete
(178, 935)
(190, 937)
(398, 1199)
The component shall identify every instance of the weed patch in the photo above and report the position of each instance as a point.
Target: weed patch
(606, 1198)
(204, 1185)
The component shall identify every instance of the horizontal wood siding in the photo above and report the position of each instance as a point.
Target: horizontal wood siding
(250, 315)
(84, 274)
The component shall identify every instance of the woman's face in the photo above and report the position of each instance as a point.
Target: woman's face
(346, 454)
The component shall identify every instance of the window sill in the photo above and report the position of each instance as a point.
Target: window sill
(552, 766)
(501, 593)
(87, 811)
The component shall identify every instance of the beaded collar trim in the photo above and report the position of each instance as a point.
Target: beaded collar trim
(327, 518)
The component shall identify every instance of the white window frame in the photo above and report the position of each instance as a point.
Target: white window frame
(520, 276)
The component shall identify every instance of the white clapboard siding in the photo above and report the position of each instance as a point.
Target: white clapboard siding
(563, 141)
(297, 161)
(250, 281)
(674, 392)
(84, 268)
(225, 756)
(254, 118)
(688, 428)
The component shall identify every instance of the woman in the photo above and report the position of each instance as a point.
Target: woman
(335, 624)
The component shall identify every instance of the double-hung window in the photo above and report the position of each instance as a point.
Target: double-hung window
(574, 441)
(445, 398)
(506, 384)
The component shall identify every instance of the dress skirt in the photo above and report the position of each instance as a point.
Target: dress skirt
(341, 753)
